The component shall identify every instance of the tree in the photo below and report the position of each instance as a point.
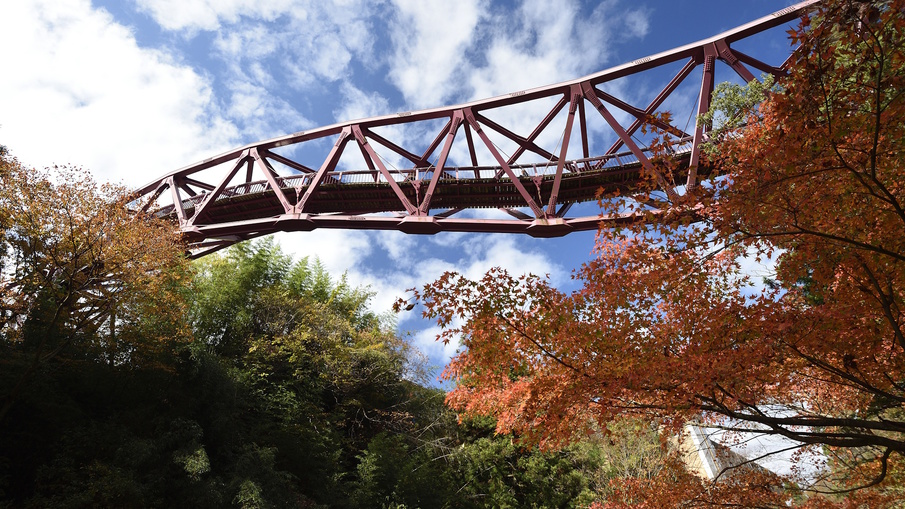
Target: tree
(668, 326)
(321, 373)
(79, 269)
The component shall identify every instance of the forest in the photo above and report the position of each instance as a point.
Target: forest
(131, 376)
(269, 384)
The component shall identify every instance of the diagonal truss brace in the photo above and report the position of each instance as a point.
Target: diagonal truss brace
(270, 175)
(652, 107)
(329, 164)
(710, 55)
(454, 124)
(201, 211)
(575, 91)
(590, 94)
(367, 148)
(469, 116)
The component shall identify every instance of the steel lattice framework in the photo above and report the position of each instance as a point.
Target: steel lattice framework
(294, 191)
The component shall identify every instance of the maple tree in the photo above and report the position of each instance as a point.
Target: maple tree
(79, 269)
(669, 327)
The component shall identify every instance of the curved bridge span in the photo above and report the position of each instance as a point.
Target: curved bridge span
(527, 155)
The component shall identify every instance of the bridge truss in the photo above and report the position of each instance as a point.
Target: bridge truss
(303, 181)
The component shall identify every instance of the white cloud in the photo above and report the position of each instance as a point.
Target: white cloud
(330, 57)
(357, 104)
(314, 40)
(260, 114)
(637, 23)
(194, 15)
(339, 250)
(440, 50)
(252, 41)
(431, 38)
(80, 90)
(426, 341)
(552, 45)
(400, 247)
(509, 252)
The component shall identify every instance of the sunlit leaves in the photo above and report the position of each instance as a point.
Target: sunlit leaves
(77, 266)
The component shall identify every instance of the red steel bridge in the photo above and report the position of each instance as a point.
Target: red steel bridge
(376, 173)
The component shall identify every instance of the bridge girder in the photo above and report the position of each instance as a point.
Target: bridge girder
(219, 201)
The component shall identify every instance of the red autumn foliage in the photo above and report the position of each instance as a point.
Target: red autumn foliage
(668, 326)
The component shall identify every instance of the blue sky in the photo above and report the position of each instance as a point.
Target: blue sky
(133, 89)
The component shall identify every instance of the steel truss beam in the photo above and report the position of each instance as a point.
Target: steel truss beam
(216, 205)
